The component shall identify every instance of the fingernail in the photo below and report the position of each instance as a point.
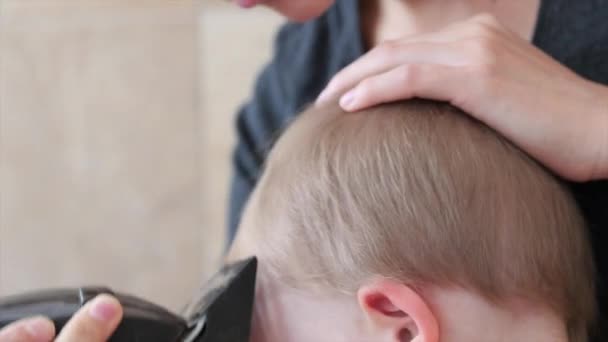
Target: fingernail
(104, 308)
(347, 99)
(40, 329)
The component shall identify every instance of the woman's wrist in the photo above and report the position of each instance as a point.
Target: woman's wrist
(601, 129)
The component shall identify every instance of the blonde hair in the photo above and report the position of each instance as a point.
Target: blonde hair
(419, 192)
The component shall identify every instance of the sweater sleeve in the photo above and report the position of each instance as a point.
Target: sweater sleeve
(273, 102)
(306, 56)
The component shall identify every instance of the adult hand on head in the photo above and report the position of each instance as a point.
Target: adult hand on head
(477, 65)
(94, 322)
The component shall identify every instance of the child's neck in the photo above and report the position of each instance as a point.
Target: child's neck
(466, 317)
(392, 19)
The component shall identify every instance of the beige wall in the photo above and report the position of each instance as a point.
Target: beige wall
(115, 132)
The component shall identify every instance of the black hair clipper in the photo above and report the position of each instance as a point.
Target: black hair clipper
(222, 311)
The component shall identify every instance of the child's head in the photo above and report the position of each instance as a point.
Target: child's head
(412, 220)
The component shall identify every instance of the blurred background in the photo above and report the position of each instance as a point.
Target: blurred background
(116, 128)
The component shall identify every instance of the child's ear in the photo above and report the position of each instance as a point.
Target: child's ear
(398, 312)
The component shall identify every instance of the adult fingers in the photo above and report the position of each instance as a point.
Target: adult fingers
(451, 46)
(431, 81)
(94, 322)
(35, 329)
(389, 56)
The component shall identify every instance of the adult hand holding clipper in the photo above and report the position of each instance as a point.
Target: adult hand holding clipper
(94, 322)
(220, 312)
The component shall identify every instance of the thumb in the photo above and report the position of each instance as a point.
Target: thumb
(94, 322)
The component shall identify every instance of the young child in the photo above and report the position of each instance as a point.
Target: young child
(412, 222)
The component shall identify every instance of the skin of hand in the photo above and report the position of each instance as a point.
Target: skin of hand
(94, 322)
(499, 78)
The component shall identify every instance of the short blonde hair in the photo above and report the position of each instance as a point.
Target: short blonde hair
(419, 192)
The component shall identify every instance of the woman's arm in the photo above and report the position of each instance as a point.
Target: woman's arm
(603, 134)
(555, 115)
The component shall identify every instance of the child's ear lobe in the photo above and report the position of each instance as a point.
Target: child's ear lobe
(398, 310)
